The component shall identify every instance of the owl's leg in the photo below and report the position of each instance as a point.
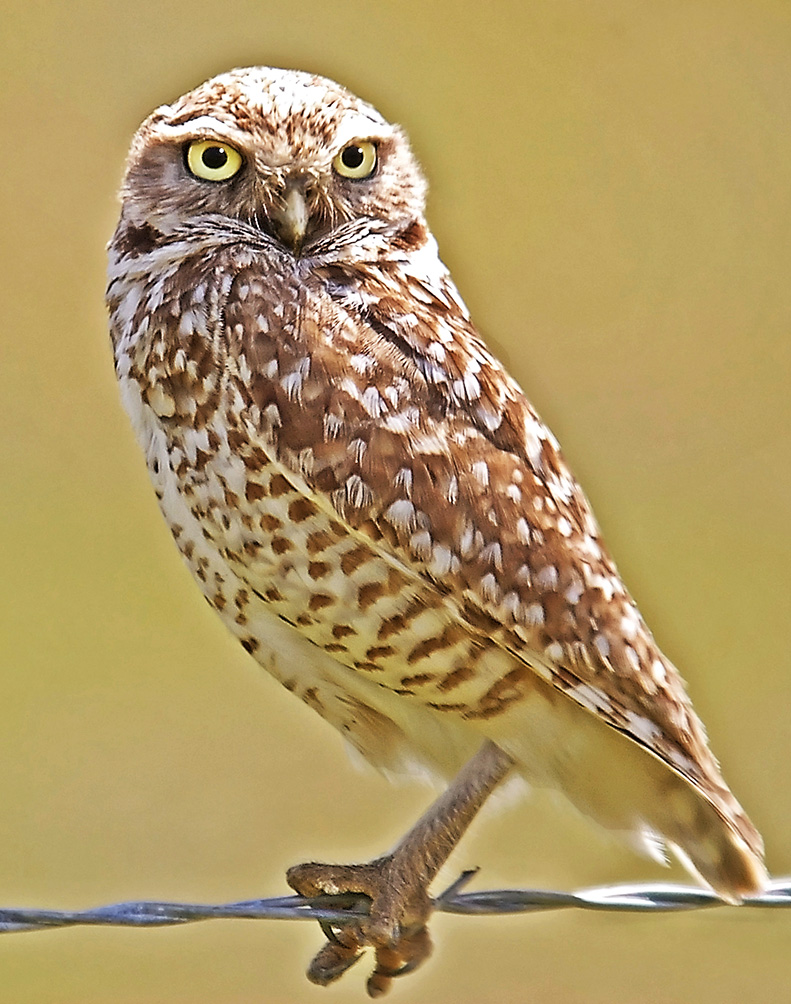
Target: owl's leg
(398, 882)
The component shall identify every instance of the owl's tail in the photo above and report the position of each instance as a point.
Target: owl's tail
(635, 793)
(711, 836)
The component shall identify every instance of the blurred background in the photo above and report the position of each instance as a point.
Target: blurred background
(610, 188)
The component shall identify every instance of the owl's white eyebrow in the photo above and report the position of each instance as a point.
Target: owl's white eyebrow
(361, 127)
(202, 124)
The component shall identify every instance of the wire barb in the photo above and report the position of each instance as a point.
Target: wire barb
(339, 909)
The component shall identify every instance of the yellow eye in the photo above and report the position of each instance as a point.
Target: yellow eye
(213, 161)
(356, 160)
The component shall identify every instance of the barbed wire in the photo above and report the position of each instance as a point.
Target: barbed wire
(632, 897)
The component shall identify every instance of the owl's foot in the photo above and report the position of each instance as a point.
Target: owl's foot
(397, 884)
(395, 926)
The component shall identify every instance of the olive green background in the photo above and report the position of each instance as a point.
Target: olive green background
(610, 187)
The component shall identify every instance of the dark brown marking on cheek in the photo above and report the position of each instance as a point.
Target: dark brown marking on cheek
(135, 241)
(411, 237)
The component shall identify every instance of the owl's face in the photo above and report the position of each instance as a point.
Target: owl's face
(292, 154)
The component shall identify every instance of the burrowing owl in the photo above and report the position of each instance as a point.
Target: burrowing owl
(370, 502)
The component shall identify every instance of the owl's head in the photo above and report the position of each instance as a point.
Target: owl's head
(293, 154)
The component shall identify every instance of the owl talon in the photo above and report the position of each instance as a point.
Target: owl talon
(331, 962)
(395, 926)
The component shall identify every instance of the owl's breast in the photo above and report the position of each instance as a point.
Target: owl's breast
(281, 435)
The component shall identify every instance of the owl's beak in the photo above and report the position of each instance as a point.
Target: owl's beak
(290, 220)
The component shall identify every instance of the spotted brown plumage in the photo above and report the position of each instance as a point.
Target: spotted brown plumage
(363, 493)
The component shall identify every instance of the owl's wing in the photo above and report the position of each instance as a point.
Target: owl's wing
(388, 404)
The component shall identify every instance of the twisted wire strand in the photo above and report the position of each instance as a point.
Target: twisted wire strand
(632, 897)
